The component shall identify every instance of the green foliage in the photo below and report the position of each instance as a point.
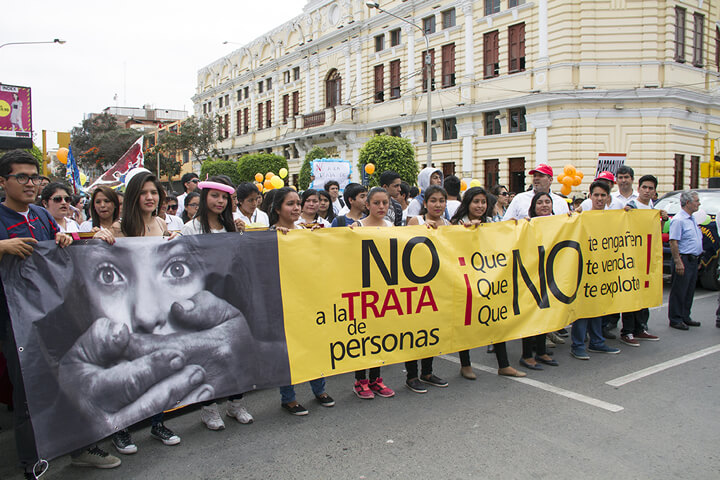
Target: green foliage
(389, 153)
(198, 135)
(220, 167)
(249, 165)
(305, 176)
(99, 141)
(37, 153)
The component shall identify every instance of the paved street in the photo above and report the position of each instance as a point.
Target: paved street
(584, 419)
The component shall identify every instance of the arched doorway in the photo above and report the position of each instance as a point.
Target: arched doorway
(333, 89)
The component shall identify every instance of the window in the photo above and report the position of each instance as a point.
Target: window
(246, 90)
(448, 65)
(246, 120)
(380, 43)
(492, 6)
(517, 174)
(492, 172)
(516, 40)
(517, 119)
(491, 55)
(204, 107)
(395, 79)
(296, 103)
(395, 131)
(185, 156)
(448, 18)
(449, 129)
(260, 86)
(379, 83)
(699, 22)
(434, 133)
(380, 131)
(209, 106)
(260, 116)
(679, 172)
(429, 25)
(226, 125)
(239, 95)
(515, 3)
(395, 37)
(286, 108)
(286, 76)
(268, 113)
(717, 48)
(268, 82)
(694, 171)
(333, 91)
(227, 99)
(492, 123)
(220, 102)
(296, 73)
(679, 34)
(238, 122)
(432, 70)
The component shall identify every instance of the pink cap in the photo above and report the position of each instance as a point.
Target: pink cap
(542, 168)
(606, 176)
(216, 186)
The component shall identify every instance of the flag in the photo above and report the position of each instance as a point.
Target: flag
(73, 173)
(114, 176)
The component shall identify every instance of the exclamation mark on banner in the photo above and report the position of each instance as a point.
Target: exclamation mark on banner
(468, 297)
(647, 263)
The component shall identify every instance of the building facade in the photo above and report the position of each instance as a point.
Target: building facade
(515, 83)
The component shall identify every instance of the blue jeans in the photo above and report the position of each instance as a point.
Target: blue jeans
(287, 393)
(580, 327)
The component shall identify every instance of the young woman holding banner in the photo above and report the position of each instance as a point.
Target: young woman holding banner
(284, 214)
(541, 205)
(366, 387)
(309, 204)
(325, 207)
(215, 216)
(473, 210)
(104, 210)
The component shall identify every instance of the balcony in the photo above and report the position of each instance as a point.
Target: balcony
(314, 119)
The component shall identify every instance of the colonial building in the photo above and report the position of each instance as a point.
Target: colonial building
(515, 83)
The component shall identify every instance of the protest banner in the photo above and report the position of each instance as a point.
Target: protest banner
(609, 162)
(326, 169)
(109, 335)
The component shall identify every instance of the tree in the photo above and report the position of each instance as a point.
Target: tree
(169, 166)
(220, 167)
(197, 135)
(389, 153)
(37, 153)
(99, 141)
(249, 165)
(305, 176)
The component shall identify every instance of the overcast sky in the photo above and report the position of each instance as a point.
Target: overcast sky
(143, 51)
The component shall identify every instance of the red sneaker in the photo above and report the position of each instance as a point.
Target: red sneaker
(362, 390)
(379, 388)
(629, 339)
(647, 336)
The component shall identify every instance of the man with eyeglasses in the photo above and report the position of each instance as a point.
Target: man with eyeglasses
(190, 182)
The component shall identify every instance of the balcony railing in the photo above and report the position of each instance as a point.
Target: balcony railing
(314, 119)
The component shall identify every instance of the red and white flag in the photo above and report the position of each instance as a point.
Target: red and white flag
(131, 159)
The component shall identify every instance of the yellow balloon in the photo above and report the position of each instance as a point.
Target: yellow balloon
(283, 172)
(62, 155)
(277, 182)
(83, 178)
(475, 183)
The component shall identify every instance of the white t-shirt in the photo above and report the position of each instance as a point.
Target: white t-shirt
(174, 223)
(338, 206)
(258, 216)
(193, 227)
(622, 201)
(319, 221)
(181, 204)
(520, 205)
(451, 207)
(387, 223)
(71, 226)
(86, 226)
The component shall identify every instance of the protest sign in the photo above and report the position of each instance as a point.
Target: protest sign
(326, 169)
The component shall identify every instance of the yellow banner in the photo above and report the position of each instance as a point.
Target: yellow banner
(366, 297)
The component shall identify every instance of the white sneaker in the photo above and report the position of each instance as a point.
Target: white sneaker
(235, 410)
(211, 417)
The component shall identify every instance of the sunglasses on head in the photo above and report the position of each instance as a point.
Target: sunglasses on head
(195, 180)
(61, 199)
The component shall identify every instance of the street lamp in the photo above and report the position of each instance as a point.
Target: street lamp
(56, 40)
(428, 65)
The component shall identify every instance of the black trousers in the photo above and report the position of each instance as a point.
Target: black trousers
(374, 374)
(425, 367)
(500, 355)
(682, 290)
(24, 436)
(536, 343)
(635, 322)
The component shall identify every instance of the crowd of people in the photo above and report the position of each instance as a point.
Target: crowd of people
(35, 209)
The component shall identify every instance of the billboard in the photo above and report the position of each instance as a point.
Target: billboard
(15, 117)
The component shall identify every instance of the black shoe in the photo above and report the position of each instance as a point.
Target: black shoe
(525, 364)
(491, 349)
(433, 380)
(608, 335)
(123, 442)
(552, 362)
(325, 400)
(164, 434)
(679, 326)
(415, 385)
(298, 409)
(717, 323)
(563, 333)
(692, 323)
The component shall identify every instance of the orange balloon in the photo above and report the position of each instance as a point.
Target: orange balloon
(580, 174)
(259, 186)
(565, 190)
(568, 180)
(269, 175)
(258, 177)
(369, 168)
(561, 177)
(268, 185)
(463, 186)
(576, 181)
(570, 170)
(62, 155)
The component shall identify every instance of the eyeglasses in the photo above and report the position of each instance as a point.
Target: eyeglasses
(23, 178)
(61, 199)
(172, 207)
(193, 205)
(195, 180)
(505, 194)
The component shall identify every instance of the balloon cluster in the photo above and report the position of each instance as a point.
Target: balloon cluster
(571, 177)
(270, 181)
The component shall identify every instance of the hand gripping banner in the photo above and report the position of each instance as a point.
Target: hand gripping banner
(110, 335)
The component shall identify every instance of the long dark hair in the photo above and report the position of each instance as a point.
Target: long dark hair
(428, 192)
(533, 203)
(50, 190)
(267, 204)
(467, 199)
(307, 194)
(330, 216)
(278, 199)
(226, 217)
(132, 223)
(112, 196)
(188, 198)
